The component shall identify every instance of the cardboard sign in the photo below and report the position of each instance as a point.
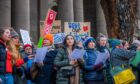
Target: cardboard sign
(77, 27)
(56, 28)
(25, 37)
(77, 53)
(58, 38)
(40, 54)
(49, 21)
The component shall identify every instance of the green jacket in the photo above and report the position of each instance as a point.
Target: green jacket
(61, 60)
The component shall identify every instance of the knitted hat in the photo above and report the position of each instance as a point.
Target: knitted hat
(136, 42)
(14, 34)
(27, 45)
(88, 40)
(49, 37)
(114, 42)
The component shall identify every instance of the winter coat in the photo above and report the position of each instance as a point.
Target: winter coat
(121, 56)
(45, 73)
(60, 61)
(89, 72)
(5, 59)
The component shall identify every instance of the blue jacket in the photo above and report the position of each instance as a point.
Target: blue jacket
(89, 72)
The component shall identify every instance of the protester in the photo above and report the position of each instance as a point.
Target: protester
(5, 57)
(119, 55)
(102, 50)
(45, 74)
(67, 72)
(91, 71)
(136, 46)
(28, 49)
(18, 72)
(9, 56)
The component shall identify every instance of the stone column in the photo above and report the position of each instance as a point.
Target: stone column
(44, 6)
(100, 19)
(21, 14)
(65, 11)
(78, 11)
(34, 23)
(5, 12)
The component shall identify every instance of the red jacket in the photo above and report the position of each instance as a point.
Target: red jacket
(9, 64)
(8, 59)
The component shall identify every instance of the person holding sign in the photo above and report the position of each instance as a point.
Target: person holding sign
(67, 68)
(17, 59)
(28, 50)
(90, 69)
(104, 54)
(7, 56)
(45, 74)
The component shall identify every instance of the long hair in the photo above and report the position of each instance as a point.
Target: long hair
(14, 52)
(65, 41)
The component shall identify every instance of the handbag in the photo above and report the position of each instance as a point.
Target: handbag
(122, 75)
(68, 71)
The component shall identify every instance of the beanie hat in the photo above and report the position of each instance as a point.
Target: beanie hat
(49, 37)
(27, 45)
(88, 40)
(14, 34)
(136, 43)
(114, 42)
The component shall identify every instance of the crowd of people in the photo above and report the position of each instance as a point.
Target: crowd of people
(58, 67)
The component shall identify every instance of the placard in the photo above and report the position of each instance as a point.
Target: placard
(77, 53)
(56, 27)
(40, 54)
(101, 57)
(49, 21)
(58, 38)
(25, 37)
(77, 28)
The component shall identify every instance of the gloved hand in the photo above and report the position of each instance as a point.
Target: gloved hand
(80, 62)
(98, 66)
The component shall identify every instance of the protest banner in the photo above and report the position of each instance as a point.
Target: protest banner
(77, 53)
(40, 54)
(49, 21)
(25, 37)
(77, 28)
(58, 38)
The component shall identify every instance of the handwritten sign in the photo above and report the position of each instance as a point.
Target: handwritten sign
(25, 37)
(49, 21)
(77, 27)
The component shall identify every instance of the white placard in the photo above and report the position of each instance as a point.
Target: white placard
(40, 54)
(77, 53)
(102, 57)
(25, 37)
